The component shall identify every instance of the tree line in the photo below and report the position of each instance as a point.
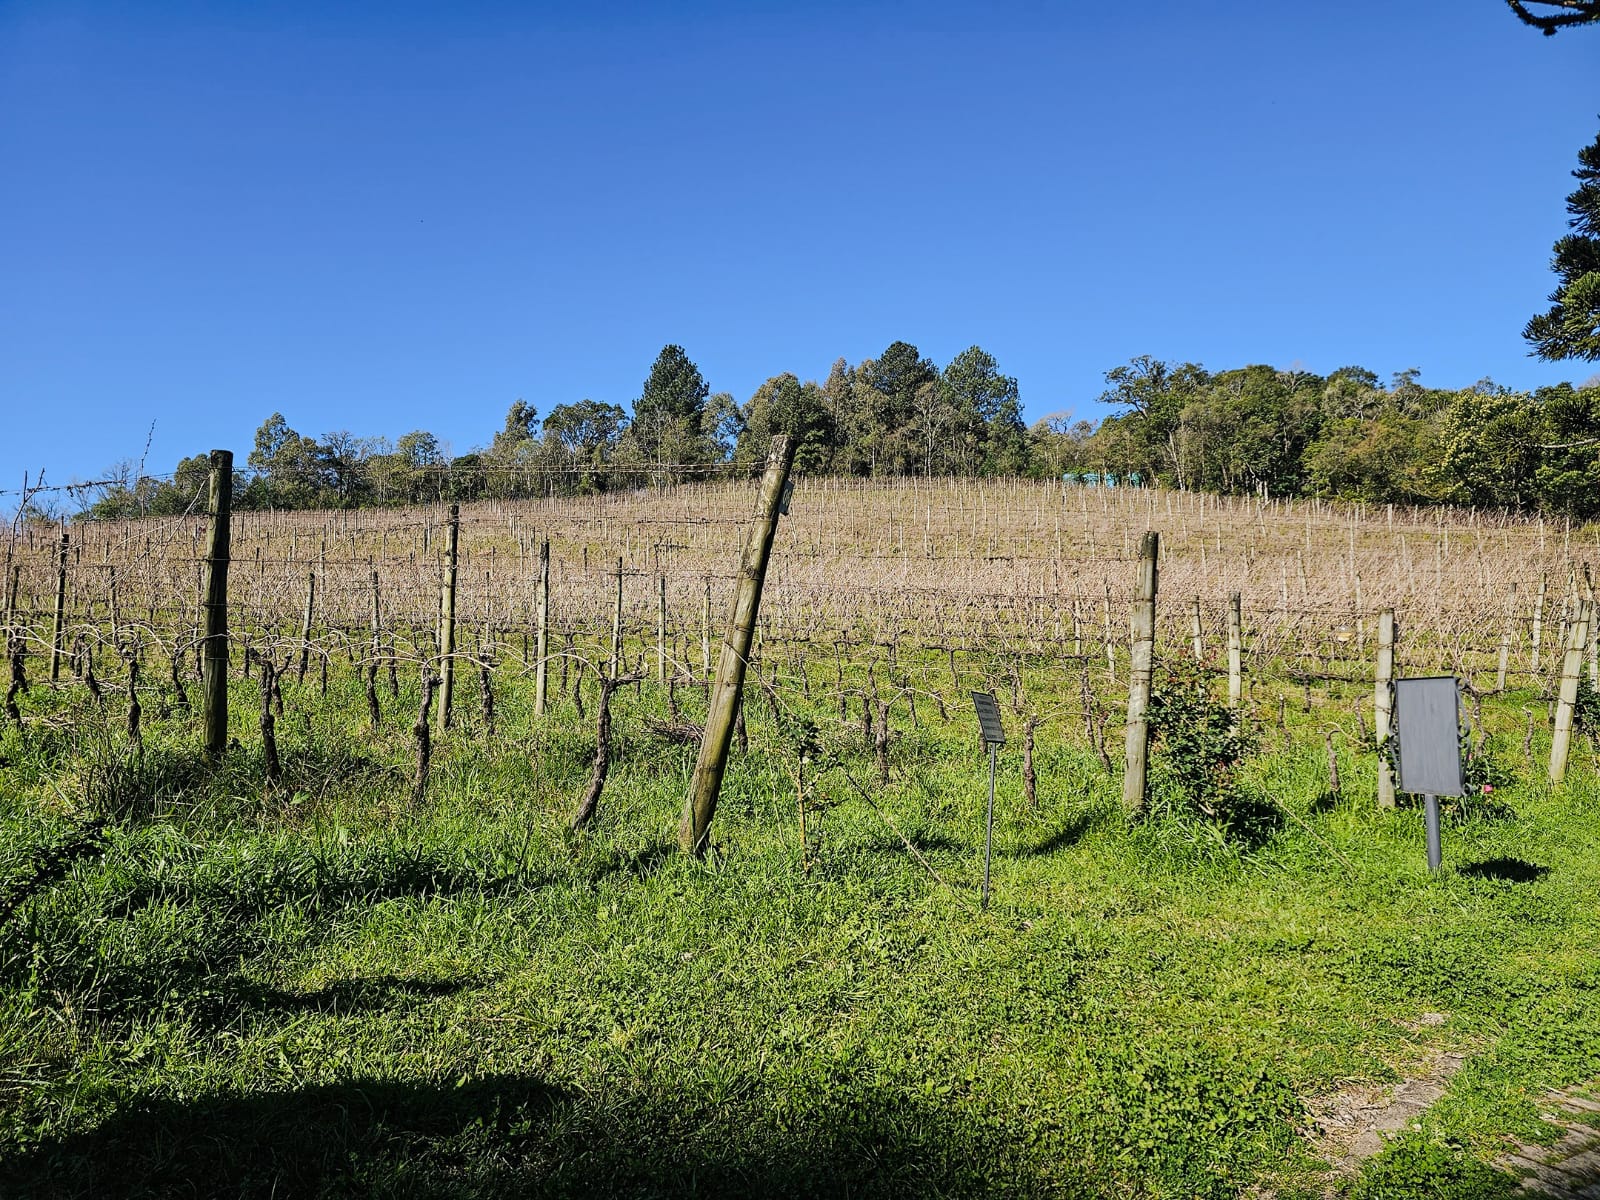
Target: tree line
(1254, 429)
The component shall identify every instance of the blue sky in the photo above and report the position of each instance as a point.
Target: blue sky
(388, 217)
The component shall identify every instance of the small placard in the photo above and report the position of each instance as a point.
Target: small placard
(1428, 734)
(989, 719)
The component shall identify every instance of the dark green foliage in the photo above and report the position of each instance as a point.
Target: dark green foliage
(1571, 327)
(1197, 748)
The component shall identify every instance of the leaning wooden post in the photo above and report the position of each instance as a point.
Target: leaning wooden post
(1235, 654)
(215, 660)
(59, 627)
(541, 674)
(1505, 641)
(1143, 641)
(1383, 705)
(447, 619)
(723, 703)
(1567, 699)
(1199, 634)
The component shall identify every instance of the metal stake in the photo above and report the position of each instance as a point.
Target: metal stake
(988, 832)
(1430, 806)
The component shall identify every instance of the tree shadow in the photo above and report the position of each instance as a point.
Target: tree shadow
(505, 1135)
(1065, 838)
(641, 864)
(1506, 870)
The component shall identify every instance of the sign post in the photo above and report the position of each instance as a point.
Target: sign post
(994, 736)
(1428, 737)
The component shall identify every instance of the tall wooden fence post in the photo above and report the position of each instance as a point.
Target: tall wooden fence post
(723, 703)
(541, 675)
(1143, 630)
(215, 661)
(1383, 706)
(59, 626)
(1198, 632)
(1567, 699)
(447, 618)
(1235, 654)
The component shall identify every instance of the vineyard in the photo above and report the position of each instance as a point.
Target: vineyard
(423, 927)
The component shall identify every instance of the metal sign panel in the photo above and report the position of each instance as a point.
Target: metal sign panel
(989, 718)
(1428, 734)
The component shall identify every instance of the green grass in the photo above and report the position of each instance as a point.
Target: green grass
(330, 990)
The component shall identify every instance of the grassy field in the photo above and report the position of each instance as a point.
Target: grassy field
(210, 985)
(330, 990)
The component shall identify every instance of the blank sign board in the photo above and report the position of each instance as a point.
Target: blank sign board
(989, 718)
(1429, 736)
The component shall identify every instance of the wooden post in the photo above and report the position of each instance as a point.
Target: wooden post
(1235, 654)
(661, 630)
(616, 625)
(1383, 705)
(1143, 630)
(1199, 633)
(1505, 641)
(447, 619)
(58, 628)
(1538, 623)
(305, 625)
(215, 661)
(705, 635)
(373, 710)
(1566, 701)
(541, 675)
(723, 703)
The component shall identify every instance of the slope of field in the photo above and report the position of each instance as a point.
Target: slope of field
(212, 984)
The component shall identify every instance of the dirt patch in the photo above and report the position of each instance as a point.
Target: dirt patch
(1351, 1123)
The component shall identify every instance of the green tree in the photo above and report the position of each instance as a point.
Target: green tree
(984, 417)
(785, 405)
(1571, 327)
(668, 416)
(579, 442)
(1547, 16)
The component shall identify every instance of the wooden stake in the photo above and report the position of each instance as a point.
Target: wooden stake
(1143, 629)
(1383, 705)
(541, 677)
(1566, 701)
(58, 627)
(447, 620)
(723, 704)
(215, 662)
(1235, 654)
(1505, 641)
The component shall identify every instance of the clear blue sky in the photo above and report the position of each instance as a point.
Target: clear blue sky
(386, 217)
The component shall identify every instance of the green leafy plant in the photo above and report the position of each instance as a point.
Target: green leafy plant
(1198, 746)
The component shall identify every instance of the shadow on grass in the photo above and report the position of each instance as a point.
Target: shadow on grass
(1065, 838)
(509, 1135)
(1506, 870)
(641, 863)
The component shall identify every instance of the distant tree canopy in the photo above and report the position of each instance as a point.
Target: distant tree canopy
(1571, 327)
(1249, 429)
(1551, 15)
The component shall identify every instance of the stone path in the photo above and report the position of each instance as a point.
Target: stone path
(1570, 1169)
